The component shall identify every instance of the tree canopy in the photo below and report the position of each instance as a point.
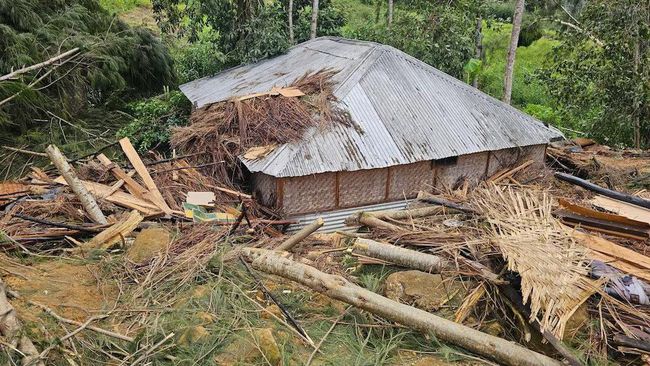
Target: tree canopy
(73, 101)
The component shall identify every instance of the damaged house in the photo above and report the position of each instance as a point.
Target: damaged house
(413, 127)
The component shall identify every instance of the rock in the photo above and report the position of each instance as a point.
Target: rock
(193, 335)
(268, 345)
(244, 350)
(148, 243)
(424, 290)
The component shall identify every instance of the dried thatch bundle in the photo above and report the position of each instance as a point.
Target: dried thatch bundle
(552, 266)
(227, 129)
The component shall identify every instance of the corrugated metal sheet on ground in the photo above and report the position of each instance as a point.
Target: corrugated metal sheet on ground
(335, 220)
(405, 110)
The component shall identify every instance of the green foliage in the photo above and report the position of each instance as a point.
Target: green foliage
(330, 22)
(472, 69)
(527, 88)
(439, 34)
(604, 89)
(244, 31)
(198, 59)
(500, 11)
(75, 103)
(153, 120)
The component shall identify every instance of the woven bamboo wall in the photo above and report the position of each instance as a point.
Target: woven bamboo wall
(362, 187)
(265, 189)
(502, 159)
(405, 181)
(314, 193)
(537, 153)
(311, 193)
(471, 167)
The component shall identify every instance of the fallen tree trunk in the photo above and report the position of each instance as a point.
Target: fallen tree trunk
(603, 191)
(300, 235)
(87, 200)
(337, 287)
(11, 330)
(435, 200)
(408, 214)
(418, 260)
(400, 256)
(370, 220)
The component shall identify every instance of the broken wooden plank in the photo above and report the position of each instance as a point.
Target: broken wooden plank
(511, 172)
(610, 227)
(611, 249)
(87, 200)
(131, 185)
(119, 198)
(584, 211)
(115, 233)
(338, 288)
(628, 210)
(154, 194)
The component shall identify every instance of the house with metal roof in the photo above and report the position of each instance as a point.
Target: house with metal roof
(416, 127)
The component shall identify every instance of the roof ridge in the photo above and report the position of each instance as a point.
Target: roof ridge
(455, 82)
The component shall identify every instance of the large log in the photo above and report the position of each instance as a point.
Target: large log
(339, 288)
(87, 200)
(400, 256)
(603, 191)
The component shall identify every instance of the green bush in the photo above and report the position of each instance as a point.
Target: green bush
(154, 119)
(501, 11)
(198, 59)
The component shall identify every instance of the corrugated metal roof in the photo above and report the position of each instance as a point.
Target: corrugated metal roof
(405, 110)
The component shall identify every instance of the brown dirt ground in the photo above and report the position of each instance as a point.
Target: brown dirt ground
(68, 288)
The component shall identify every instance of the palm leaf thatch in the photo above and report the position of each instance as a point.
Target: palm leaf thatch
(553, 267)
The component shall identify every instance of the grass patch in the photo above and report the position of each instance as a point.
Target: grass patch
(121, 6)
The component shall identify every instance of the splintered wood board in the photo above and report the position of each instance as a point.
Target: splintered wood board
(155, 196)
(628, 210)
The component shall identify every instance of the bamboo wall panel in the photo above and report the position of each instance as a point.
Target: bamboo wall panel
(265, 189)
(362, 187)
(311, 193)
(470, 166)
(407, 180)
(502, 159)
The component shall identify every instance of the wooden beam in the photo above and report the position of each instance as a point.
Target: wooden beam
(154, 194)
(131, 185)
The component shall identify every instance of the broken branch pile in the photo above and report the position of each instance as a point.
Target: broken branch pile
(226, 130)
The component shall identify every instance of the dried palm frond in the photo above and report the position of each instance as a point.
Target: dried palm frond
(228, 129)
(553, 267)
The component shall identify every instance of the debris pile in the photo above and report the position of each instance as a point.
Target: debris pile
(131, 261)
(253, 125)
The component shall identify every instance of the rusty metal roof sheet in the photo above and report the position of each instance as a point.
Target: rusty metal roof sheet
(405, 110)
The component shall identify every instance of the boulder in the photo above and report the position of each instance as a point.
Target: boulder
(148, 244)
(426, 291)
(245, 350)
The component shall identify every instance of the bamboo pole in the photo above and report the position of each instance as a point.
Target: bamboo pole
(400, 256)
(336, 287)
(87, 200)
(300, 235)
